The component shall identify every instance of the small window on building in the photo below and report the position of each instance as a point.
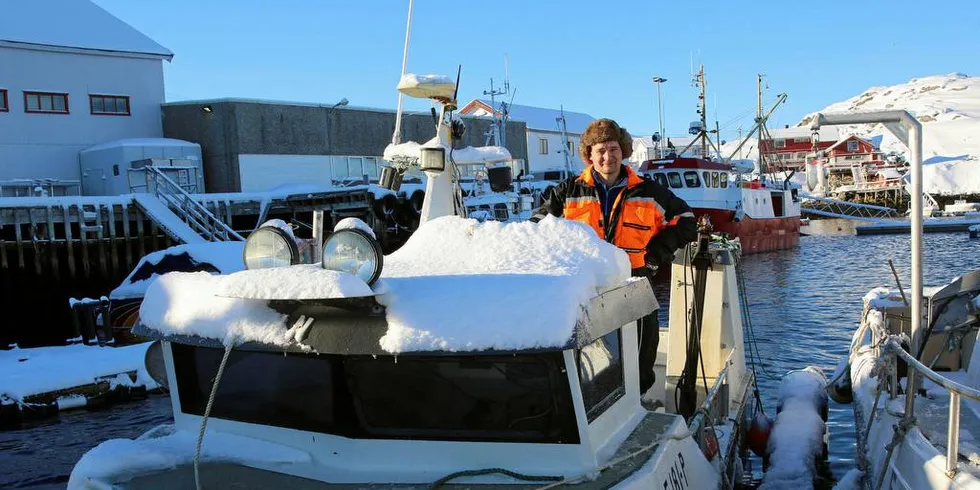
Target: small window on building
(600, 372)
(691, 179)
(724, 180)
(779, 143)
(661, 179)
(852, 146)
(714, 179)
(801, 155)
(571, 147)
(109, 105)
(115, 170)
(46, 102)
(675, 180)
(801, 140)
(4, 105)
(542, 146)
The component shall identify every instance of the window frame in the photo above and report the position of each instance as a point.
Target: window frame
(687, 179)
(779, 143)
(28, 110)
(5, 105)
(542, 146)
(117, 98)
(661, 178)
(596, 406)
(670, 180)
(724, 180)
(855, 144)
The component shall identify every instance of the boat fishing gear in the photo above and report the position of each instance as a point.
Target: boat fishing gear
(688, 379)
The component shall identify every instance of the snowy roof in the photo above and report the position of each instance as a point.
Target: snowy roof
(456, 285)
(827, 133)
(146, 142)
(543, 119)
(78, 24)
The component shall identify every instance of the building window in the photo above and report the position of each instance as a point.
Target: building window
(852, 146)
(4, 105)
(111, 105)
(542, 146)
(46, 102)
(779, 143)
(571, 145)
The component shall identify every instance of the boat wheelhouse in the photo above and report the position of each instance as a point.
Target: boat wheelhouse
(764, 216)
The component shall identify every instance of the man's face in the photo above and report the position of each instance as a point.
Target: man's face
(606, 159)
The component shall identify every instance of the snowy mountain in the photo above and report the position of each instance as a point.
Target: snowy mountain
(948, 107)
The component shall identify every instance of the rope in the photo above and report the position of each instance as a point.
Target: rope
(489, 471)
(901, 429)
(207, 413)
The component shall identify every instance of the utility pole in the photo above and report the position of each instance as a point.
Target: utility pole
(498, 131)
(660, 112)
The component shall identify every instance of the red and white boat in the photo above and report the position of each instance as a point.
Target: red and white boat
(763, 215)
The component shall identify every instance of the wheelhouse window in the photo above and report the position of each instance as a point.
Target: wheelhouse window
(706, 176)
(714, 179)
(109, 105)
(4, 104)
(45, 102)
(542, 146)
(600, 371)
(504, 398)
(675, 180)
(724, 180)
(691, 179)
(660, 179)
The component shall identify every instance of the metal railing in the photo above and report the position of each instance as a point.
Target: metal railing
(190, 211)
(845, 209)
(956, 390)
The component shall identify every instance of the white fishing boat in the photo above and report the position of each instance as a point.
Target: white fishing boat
(913, 368)
(408, 370)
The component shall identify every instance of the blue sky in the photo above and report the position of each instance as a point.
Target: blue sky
(593, 57)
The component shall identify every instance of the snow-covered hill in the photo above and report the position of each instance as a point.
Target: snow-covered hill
(948, 107)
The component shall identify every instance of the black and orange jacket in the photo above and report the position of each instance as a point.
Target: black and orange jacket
(647, 220)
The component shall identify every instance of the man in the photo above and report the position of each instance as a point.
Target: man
(638, 215)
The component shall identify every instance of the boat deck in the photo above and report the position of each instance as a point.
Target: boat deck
(932, 416)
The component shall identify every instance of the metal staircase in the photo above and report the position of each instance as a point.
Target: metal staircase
(834, 208)
(178, 202)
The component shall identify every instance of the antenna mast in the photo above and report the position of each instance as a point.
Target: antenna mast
(498, 127)
(566, 148)
(759, 121)
(703, 135)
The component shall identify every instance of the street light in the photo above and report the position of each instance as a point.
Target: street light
(341, 103)
(660, 108)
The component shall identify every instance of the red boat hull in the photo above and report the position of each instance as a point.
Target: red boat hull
(756, 235)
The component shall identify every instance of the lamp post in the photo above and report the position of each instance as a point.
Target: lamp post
(660, 108)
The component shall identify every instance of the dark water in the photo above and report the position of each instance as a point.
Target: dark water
(804, 305)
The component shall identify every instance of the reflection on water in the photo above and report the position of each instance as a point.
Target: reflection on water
(804, 303)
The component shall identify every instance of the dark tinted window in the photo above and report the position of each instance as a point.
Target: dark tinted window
(660, 179)
(500, 211)
(490, 398)
(675, 180)
(600, 370)
(691, 179)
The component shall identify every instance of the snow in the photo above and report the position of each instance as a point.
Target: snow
(142, 142)
(305, 281)
(456, 285)
(224, 256)
(26, 372)
(851, 480)
(354, 224)
(78, 24)
(165, 448)
(948, 106)
(464, 156)
(414, 79)
(166, 219)
(522, 284)
(797, 436)
(182, 303)
(540, 118)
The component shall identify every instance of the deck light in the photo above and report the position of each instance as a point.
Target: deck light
(268, 247)
(353, 251)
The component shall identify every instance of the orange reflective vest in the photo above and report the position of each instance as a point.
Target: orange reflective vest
(635, 216)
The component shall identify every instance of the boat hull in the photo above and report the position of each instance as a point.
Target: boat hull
(756, 234)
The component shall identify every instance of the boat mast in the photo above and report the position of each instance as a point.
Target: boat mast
(497, 132)
(396, 137)
(703, 111)
(759, 120)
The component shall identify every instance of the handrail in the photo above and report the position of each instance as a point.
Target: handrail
(891, 345)
(955, 389)
(189, 210)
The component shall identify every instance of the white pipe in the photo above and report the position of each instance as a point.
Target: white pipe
(397, 136)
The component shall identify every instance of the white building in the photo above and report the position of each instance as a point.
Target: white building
(83, 77)
(545, 150)
(645, 149)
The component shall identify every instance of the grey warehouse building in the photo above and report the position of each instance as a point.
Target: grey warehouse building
(254, 145)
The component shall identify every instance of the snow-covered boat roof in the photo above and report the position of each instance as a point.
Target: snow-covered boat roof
(464, 156)
(457, 285)
(73, 24)
(223, 257)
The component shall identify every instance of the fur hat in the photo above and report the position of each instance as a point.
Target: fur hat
(601, 131)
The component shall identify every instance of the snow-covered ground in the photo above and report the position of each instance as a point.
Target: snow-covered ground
(948, 106)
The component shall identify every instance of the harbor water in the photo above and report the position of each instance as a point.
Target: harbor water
(804, 305)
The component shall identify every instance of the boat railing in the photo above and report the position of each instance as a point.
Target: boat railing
(956, 390)
(716, 398)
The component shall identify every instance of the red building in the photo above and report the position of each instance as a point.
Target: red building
(788, 147)
(852, 152)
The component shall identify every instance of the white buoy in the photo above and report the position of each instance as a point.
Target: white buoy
(799, 436)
